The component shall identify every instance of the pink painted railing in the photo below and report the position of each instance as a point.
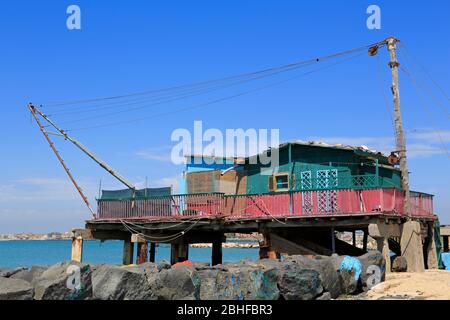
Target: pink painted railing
(329, 202)
(305, 203)
(177, 206)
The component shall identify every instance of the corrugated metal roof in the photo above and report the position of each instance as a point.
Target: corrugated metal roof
(341, 146)
(362, 150)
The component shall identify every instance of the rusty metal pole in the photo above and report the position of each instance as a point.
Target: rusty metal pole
(399, 133)
(52, 145)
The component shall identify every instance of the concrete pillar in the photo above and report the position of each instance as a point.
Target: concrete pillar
(383, 247)
(216, 257)
(128, 252)
(152, 251)
(142, 252)
(77, 249)
(411, 246)
(432, 258)
(381, 232)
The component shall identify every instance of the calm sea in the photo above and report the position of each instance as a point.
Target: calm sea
(47, 252)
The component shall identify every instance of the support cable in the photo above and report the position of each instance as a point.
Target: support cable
(206, 103)
(427, 111)
(291, 65)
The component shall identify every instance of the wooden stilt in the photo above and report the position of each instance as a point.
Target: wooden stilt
(354, 238)
(183, 253)
(174, 248)
(128, 252)
(445, 243)
(365, 238)
(179, 252)
(216, 252)
(333, 241)
(266, 251)
(142, 252)
(77, 249)
(152, 251)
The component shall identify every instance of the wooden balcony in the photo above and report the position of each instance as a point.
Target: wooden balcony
(267, 206)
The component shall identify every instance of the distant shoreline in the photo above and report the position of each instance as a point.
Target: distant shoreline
(225, 245)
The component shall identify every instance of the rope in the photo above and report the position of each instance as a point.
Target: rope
(269, 70)
(159, 239)
(444, 147)
(408, 53)
(199, 105)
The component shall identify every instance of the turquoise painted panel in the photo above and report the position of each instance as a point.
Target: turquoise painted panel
(332, 168)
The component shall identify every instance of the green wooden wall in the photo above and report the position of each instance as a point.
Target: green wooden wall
(353, 171)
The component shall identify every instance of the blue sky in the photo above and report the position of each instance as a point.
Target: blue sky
(132, 46)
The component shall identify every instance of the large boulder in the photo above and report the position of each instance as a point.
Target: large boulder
(373, 269)
(325, 267)
(7, 273)
(30, 275)
(350, 271)
(247, 281)
(120, 283)
(149, 269)
(298, 283)
(180, 283)
(64, 281)
(164, 265)
(208, 279)
(15, 289)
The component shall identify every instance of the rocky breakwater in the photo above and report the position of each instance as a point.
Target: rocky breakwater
(295, 278)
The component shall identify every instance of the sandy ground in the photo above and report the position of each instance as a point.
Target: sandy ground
(429, 285)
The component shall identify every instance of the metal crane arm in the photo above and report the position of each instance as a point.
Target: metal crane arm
(83, 148)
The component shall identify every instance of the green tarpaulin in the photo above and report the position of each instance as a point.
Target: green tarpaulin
(127, 194)
(437, 239)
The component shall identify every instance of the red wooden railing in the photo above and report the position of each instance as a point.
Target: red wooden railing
(177, 206)
(305, 203)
